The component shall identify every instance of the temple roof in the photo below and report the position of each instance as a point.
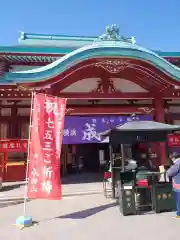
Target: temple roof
(46, 48)
(140, 131)
(28, 50)
(108, 45)
(45, 55)
(146, 126)
(55, 40)
(142, 126)
(100, 48)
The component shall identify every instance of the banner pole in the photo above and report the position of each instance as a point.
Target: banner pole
(28, 150)
(24, 220)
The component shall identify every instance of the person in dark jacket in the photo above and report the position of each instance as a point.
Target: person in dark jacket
(174, 172)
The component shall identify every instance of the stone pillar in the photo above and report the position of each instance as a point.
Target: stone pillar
(160, 117)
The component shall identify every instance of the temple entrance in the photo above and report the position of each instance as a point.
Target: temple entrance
(95, 156)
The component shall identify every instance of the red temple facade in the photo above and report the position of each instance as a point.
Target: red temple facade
(106, 75)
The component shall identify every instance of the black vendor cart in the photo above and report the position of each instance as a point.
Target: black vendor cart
(124, 184)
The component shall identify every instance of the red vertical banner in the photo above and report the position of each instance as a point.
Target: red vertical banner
(47, 127)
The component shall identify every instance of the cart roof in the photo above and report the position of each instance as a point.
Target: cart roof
(140, 126)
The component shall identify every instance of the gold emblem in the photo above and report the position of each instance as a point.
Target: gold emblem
(128, 193)
(165, 196)
(159, 196)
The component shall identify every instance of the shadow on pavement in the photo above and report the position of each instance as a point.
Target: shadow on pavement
(4, 204)
(80, 214)
(11, 187)
(88, 212)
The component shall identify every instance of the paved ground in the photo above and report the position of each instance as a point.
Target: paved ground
(83, 214)
(73, 185)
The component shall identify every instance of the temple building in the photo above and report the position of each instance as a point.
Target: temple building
(106, 79)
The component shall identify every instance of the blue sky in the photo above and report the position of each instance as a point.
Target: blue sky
(155, 23)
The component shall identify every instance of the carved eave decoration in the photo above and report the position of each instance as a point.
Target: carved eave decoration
(33, 89)
(113, 66)
(148, 110)
(69, 111)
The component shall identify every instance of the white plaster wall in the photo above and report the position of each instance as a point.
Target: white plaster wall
(90, 84)
(174, 109)
(126, 86)
(84, 85)
(24, 102)
(175, 101)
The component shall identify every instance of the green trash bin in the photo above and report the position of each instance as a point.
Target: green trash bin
(127, 193)
(127, 201)
(163, 197)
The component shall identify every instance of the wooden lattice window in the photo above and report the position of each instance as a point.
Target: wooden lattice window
(3, 130)
(25, 131)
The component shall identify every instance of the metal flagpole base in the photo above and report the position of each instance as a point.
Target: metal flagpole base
(24, 221)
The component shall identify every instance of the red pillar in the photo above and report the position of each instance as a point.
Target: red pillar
(15, 127)
(160, 117)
